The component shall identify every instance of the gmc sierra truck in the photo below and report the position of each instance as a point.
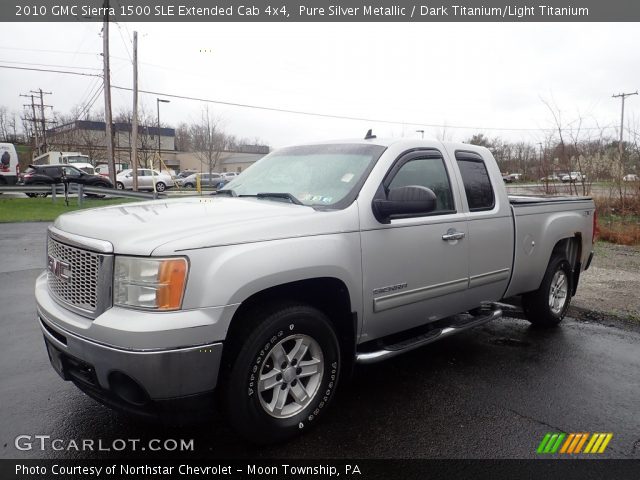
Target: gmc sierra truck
(261, 298)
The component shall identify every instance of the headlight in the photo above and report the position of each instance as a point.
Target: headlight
(153, 283)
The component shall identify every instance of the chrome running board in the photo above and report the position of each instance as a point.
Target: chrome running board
(455, 326)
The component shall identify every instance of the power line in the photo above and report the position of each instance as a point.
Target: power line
(296, 112)
(51, 71)
(68, 52)
(50, 65)
(340, 117)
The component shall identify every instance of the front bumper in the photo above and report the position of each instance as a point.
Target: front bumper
(136, 376)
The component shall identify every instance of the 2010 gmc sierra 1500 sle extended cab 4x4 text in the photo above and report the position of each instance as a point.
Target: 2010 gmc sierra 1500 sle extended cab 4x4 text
(315, 258)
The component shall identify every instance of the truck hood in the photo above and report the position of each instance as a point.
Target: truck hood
(164, 227)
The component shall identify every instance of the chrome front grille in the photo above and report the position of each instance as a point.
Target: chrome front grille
(81, 269)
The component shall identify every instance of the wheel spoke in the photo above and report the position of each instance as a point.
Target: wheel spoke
(269, 380)
(299, 350)
(309, 367)
(279, 400)
(299, 393)
(279, 355)
(560, 282)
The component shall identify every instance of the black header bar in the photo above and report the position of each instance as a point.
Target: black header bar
(320, 11)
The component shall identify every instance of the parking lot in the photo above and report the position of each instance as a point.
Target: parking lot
(492, 392)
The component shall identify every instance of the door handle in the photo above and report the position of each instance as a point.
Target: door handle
(452, 235)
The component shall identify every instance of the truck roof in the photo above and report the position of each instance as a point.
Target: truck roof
(408, 142)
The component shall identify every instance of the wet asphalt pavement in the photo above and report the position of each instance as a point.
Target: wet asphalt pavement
(492, 392)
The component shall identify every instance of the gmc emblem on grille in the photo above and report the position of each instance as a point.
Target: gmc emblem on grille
(60, 269)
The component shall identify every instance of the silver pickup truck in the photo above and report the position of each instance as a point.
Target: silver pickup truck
(262, 297)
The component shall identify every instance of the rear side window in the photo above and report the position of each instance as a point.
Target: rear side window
(52, 171)
(476, 181)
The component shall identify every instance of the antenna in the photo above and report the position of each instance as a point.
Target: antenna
(369, 135)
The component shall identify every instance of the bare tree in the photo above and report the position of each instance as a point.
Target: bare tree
(208, 140)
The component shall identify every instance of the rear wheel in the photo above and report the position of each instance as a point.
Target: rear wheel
(547, 306)
(98, 195)
(120, 185)
(39, 195)
(282, 372)
(188, 185)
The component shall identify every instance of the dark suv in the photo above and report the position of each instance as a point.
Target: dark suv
(50, 174)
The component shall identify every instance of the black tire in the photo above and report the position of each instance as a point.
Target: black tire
(40, 195)
(160, 187)
(537, 305)
(188, 185)
(97, 195)
(251, 354)
(119, 185)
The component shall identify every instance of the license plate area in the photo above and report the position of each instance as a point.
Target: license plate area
(70, 368)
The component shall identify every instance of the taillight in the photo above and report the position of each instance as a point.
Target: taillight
(17, 169)
(594, 235)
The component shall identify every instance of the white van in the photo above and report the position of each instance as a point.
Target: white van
(9, 166)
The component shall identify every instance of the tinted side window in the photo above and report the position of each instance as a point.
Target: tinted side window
(430, 173)
(476, 181)
(52, 171)
(71, 172)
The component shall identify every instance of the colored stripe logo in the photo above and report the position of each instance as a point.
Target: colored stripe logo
(574, 443)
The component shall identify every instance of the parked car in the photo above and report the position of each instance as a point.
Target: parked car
(550, 178)
(228, 176)
(147, 178)
(511, 177)
(268, 293)
(186, 173)
(632, 177)
(206, 180)
(573, 177)
(40, 175)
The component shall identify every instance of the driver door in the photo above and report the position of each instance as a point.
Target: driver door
(415, 269)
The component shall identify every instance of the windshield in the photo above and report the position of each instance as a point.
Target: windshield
(318, 175)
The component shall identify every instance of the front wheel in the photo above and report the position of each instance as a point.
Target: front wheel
(282, 374)
(547, 306)
(160, 187)
(120, 185)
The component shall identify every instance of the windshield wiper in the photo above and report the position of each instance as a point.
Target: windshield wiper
(227, 191)
(284, 195)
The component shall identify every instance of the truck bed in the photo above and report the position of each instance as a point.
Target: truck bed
(540, 222)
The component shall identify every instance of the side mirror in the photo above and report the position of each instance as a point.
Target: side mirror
(410, 200)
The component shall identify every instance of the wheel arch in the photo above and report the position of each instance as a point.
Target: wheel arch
(330, 295)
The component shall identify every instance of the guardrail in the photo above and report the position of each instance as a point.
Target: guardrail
(81, 190)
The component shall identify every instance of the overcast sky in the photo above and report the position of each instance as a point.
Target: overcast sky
(479, 75)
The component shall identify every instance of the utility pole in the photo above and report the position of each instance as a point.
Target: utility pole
(107, 94)
(158, 102)
(35, 123)
(134, 120)
(622, 96)
(43, 118)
